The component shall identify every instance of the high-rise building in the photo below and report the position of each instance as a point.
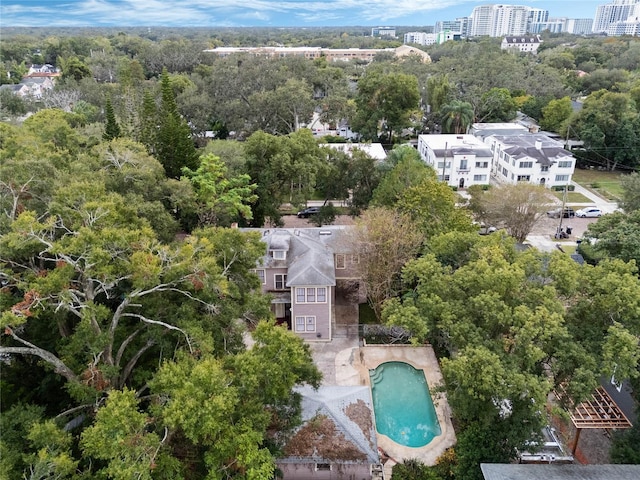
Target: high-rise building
(630, 26)
(619, 10)
(510, 20)
(498, 20)
(482, 20)
(578, 26)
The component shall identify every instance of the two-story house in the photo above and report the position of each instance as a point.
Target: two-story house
(532, 158)
(301, 269)
(460, 160)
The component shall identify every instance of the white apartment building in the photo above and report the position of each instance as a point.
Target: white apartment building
(459, 160)
(499, 20)
(460, 26)
(630, 26)
(383, 32)
(578, 26)
(420, 38)
(532, 158)
(618, 11)
(553, 25)
(510, 20)
(482, 20)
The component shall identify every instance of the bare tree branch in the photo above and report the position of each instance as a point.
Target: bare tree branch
(31, 349)
(163, 324)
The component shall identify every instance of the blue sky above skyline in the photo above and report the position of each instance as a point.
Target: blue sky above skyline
(261, 13)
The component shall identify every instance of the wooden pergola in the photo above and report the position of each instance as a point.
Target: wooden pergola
(600, 411)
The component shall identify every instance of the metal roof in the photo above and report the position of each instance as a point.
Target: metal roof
(498, 471)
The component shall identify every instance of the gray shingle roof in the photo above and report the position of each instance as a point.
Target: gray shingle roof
(539, 147)
(308, 260)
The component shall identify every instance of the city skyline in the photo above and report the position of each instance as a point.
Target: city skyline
(258, 13)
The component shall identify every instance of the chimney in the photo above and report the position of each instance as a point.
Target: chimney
(538, 144)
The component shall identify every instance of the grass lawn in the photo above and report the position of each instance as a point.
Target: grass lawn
(605, 184)
(573, 197)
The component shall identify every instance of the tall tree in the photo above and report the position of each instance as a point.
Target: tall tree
(384, 240)
(609, 124)
(111, 129)
(174, 146)
(284, 168)
(555, 114)
(457, 116)
(432, 206)
(514, 207)
(630, 192)
(385, 102)
(220, 199)
(410, 171)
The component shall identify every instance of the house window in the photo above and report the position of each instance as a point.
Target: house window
(340, 261)
(504, 172)
(524, 178)
(482, 164)
(562, 178)
(463, 165)
(261, 275)
(565, 164)
(300, 295)
(441, 165)
(479, 178)
(526, 164)
(279, 254)
(321, 295)
(311, 295)
(544, 169)
(355, 259)
(323, 467)
(305, 324)
(280, 281)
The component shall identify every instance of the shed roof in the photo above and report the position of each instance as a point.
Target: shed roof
(337, 426)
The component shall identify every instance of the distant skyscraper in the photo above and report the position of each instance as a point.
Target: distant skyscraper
(578, 26)
(499, 20)
(482, 20)
(619, 10)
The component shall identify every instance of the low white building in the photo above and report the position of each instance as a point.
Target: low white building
(460, 160)
(525, 44)
(532, 158)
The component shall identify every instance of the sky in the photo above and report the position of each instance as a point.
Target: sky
(258, 13)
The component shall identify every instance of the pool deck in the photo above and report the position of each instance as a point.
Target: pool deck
(344, 362)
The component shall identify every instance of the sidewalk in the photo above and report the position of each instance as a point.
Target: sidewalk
(603, 204)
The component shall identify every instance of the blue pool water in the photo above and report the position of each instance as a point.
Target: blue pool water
(402, 404)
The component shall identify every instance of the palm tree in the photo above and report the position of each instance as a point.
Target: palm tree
(457, 116)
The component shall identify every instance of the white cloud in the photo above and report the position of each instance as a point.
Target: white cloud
(208, 12)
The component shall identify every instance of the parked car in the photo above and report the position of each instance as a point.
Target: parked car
(589, 212)
(308, 212)
(566, 213)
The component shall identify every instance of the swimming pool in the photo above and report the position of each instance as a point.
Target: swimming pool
(402, 404)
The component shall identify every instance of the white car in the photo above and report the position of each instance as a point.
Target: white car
(589, 212)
